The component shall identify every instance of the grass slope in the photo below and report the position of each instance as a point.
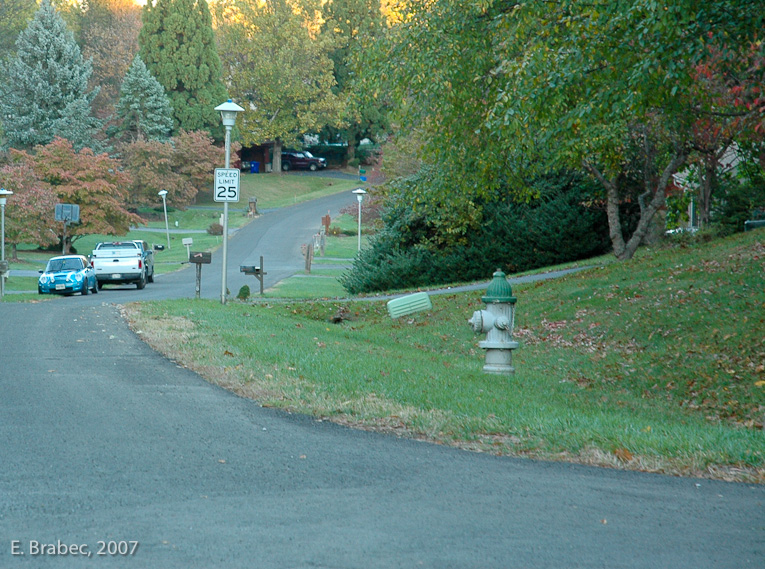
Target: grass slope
(655, 364)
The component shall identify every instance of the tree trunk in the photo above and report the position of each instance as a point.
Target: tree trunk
(277, 161)
(624, 251)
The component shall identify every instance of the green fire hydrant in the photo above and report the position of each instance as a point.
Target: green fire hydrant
(497, 323)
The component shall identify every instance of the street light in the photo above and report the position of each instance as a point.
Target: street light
(359, 196)
(3, 268)
(228, 112)
(163, 193)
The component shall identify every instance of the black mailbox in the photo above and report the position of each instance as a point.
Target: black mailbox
(200, 257)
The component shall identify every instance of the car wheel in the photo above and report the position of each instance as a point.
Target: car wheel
(285, 166)
(39, 289)
(85, 289)
(150, 278)
(141, 282)
(95, 286)
(99, 284)
(312, 167)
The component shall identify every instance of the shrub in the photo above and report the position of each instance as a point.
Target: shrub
(556, 228)
(244, 293)
(215, 229)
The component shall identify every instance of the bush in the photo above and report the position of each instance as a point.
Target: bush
(215, 229)
(244, 292)
(554, 229)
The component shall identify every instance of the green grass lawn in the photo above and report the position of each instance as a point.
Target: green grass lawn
(655, 364)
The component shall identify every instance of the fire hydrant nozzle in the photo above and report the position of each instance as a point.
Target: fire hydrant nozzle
(497, 323)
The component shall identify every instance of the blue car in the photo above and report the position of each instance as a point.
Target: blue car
(67, 274)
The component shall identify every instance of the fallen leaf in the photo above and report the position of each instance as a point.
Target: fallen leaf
(623, 454)
(227, 353)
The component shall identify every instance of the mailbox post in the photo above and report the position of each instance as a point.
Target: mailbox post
(199, 258)
(257, 272)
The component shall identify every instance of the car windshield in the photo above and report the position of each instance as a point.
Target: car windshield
(308, 154)
(55, 265)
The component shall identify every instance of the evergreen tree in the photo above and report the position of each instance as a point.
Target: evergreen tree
(43, 92)
(144, 109)
(177, 45)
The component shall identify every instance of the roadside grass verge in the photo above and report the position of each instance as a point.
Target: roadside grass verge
(279, 190)
(655, 364)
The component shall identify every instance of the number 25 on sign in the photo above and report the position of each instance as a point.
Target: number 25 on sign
(226, 185)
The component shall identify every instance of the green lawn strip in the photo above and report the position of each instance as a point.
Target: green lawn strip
(279, 190)
(302, 287)
(195, 217)
(616, 366)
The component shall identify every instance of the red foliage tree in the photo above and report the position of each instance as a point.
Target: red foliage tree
(30, 211)
(95, 182)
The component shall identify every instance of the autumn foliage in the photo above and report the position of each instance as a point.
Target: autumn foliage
(95, 182)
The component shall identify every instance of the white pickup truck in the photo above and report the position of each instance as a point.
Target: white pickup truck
(119, 262)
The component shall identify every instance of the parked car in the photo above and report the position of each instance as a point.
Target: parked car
(303, 159)
(67, 274)
(120, 262)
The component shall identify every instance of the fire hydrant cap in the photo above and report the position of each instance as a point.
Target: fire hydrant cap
(499, 290)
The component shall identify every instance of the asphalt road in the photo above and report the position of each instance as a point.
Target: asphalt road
(104, 440)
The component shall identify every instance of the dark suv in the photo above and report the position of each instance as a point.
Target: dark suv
(303, 159)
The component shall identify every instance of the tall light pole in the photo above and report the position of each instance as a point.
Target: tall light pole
(163, 194)
(359, 196)
(228, 111)
(3, 195)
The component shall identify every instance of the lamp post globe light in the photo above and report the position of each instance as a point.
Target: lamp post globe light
(228, 112)
(3, 195)
(359, 196)
(163, 194)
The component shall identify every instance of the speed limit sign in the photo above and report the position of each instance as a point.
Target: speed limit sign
(226, 185)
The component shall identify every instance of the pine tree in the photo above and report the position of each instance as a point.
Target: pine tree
(44, 89)
(177, 45)
(143, 108)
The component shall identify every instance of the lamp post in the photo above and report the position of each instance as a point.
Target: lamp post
(163, 194)
(359, 196)
(228, 112)
(3, 195)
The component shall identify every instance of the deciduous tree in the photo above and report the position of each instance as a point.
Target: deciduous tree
(354, 25)
(14, 17)
(95, 182)
(30, 211)
(278, 67)
(109, 38)
(609, 87)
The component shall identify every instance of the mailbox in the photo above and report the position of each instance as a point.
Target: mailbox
(200, 257)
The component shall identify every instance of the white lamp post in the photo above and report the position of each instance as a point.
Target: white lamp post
(163, 194)
(228, 112)
(359, 196)
(3, 195)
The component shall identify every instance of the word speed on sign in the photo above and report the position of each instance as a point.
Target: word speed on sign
(226, 185)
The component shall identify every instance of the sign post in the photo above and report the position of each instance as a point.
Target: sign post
(226, 190)
(68, 213)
